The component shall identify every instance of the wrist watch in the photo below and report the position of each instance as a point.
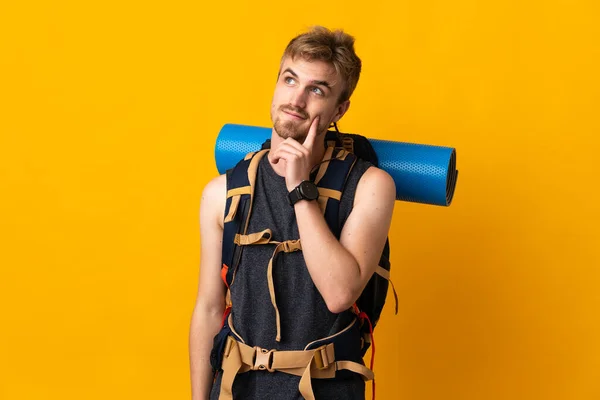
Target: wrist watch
(305, 190)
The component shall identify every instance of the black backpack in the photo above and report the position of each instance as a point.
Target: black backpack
(342, 152)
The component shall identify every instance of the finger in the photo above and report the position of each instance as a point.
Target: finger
(295, 145)
(288, 154)
(312, 133)
(285, 153)
(274, 156)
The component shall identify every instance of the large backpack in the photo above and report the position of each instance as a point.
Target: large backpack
(341, 154)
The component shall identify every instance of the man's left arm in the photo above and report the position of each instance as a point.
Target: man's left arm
(341, 269)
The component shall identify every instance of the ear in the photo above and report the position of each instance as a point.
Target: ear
(341, 110)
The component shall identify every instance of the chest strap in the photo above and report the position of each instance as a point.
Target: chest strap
(288, 246)
(316, 363)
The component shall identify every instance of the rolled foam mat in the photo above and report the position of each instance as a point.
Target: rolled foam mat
(423, 173)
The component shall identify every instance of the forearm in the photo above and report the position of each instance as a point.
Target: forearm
(333, 269)
(340, 269)
(205, 324)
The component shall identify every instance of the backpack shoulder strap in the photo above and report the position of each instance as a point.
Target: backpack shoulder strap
(330, 180)
(238, 206)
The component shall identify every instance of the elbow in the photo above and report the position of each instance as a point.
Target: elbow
(337, 308)
(342, 295)
(340, 302)
(207, 314)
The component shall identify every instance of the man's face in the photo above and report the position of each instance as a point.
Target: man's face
(305, 90)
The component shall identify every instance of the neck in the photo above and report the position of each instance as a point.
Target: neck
(315, 157)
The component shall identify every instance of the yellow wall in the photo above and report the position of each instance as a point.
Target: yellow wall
(108, 116)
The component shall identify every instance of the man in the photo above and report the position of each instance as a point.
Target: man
(316, 287)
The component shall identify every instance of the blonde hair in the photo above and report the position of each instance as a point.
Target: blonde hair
(335, 47)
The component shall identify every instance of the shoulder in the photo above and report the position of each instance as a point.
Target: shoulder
(366, 184)
(216, 188)
(375, 186)
(212, 205)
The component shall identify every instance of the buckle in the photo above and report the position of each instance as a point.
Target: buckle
(263, 359)
(290, 246)
(321, 359)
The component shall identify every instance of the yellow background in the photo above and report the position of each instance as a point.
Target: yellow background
(109, 113)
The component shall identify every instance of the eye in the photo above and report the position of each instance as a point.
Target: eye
(289, 80)
(317, 91)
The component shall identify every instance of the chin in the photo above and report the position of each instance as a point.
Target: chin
(287, 129)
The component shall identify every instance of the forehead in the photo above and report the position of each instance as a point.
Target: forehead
(311, 70)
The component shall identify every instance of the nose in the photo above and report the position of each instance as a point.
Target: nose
(298, 98)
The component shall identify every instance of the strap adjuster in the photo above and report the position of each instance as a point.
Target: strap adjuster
(263, 359)
(322, 361)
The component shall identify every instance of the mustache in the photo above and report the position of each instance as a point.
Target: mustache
(295, 110)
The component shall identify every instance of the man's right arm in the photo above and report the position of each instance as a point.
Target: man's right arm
(210, 302)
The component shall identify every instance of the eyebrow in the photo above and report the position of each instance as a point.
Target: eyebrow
(321, 83)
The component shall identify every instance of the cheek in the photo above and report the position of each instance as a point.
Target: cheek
(278, 100)
(276, 96)
(327, 116)
(323, 125)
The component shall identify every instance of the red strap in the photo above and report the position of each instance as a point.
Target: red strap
(224, 271)
(225, 315)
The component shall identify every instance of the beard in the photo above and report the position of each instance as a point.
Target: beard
(291, 128)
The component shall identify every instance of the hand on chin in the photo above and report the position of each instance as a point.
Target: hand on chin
(296, 155)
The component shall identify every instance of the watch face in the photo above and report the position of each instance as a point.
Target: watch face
(309, 190)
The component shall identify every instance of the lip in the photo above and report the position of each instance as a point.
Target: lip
(294, 115)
